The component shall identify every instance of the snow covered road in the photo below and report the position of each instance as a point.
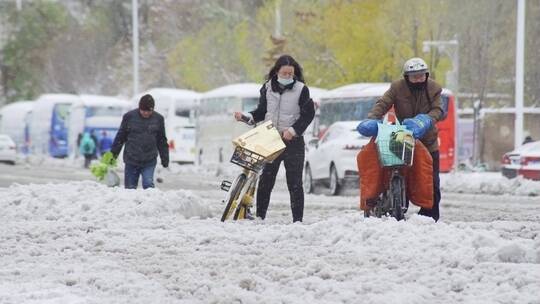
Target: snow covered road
(80, 242)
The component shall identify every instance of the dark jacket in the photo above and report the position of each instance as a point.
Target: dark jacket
(307, 108)
(409, 103)
(143, 137)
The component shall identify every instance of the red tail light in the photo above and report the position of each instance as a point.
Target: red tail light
(506, 160)
(171, 145)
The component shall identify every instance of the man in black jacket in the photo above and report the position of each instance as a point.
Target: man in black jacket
(143, 132)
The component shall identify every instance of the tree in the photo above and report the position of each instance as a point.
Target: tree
(25, 52)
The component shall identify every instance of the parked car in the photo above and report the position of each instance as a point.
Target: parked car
(523, 161)
(8, 149)
(332, 161)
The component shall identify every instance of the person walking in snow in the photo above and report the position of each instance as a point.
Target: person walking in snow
(105, 143)
(143, 132)
(87, 148)
(284, 99)
(417, 104)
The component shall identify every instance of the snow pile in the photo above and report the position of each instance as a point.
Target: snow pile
(94, 202)
(488, 183)
(85, 243)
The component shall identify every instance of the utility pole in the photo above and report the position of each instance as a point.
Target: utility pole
(135, 17)
(520, 58)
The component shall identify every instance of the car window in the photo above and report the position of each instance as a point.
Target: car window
(534, 146)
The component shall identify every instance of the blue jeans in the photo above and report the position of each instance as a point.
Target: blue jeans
(132, 172)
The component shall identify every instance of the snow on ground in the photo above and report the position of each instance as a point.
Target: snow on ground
(488, 183)
(81, 242)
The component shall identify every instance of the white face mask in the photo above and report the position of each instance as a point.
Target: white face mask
(285, 81)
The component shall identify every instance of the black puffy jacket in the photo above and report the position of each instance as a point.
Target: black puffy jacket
(143, 137)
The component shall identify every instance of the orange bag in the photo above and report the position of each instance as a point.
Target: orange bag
(374, 178)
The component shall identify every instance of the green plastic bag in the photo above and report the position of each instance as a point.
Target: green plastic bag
(107, 162)
(395, 144)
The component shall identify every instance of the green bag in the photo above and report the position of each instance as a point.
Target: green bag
(395, 144)
(107, 162)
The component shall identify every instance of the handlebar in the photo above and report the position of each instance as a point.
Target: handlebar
(247, 120)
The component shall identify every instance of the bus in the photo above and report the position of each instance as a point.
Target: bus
(11, 116)
(179, 108)
(49, 124)
(353, 102)
(216, 127)
(98, 115)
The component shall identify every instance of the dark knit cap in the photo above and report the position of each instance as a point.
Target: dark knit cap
(146, 103)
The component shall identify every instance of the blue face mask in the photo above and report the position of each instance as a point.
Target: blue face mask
(285, 81)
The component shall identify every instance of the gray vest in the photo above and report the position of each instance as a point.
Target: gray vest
(283, 110)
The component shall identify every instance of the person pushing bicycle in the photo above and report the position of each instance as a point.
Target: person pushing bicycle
(417, 104)
(286, 102)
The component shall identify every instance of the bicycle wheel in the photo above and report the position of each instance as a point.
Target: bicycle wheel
(398, 197)
(233, 196)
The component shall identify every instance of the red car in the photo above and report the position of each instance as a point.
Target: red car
(524, 161)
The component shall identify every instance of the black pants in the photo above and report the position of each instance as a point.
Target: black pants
(293, 157)
(87, 160)
(434, 212)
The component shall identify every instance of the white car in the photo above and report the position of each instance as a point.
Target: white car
(8, 149)
(523, 161)
(332, 160)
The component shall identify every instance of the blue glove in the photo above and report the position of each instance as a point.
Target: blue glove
(419, 125)
(368, 127)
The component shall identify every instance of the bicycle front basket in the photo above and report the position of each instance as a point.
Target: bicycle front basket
(247, 159)
(395, 145)
(263, 140)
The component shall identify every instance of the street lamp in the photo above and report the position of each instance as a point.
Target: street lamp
(135, 17)
(520, 70)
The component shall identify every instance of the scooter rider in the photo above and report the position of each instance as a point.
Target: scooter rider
(417, 104)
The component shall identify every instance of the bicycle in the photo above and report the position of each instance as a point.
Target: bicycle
(253, 150)
(395, 147)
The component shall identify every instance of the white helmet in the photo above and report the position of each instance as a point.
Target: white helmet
(415, 66)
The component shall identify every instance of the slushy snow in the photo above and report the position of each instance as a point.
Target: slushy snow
(80, 242)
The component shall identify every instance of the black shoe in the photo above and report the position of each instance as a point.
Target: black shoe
(249, 215)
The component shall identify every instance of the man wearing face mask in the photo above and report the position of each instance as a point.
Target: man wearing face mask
(417, 104)
(285, 101)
